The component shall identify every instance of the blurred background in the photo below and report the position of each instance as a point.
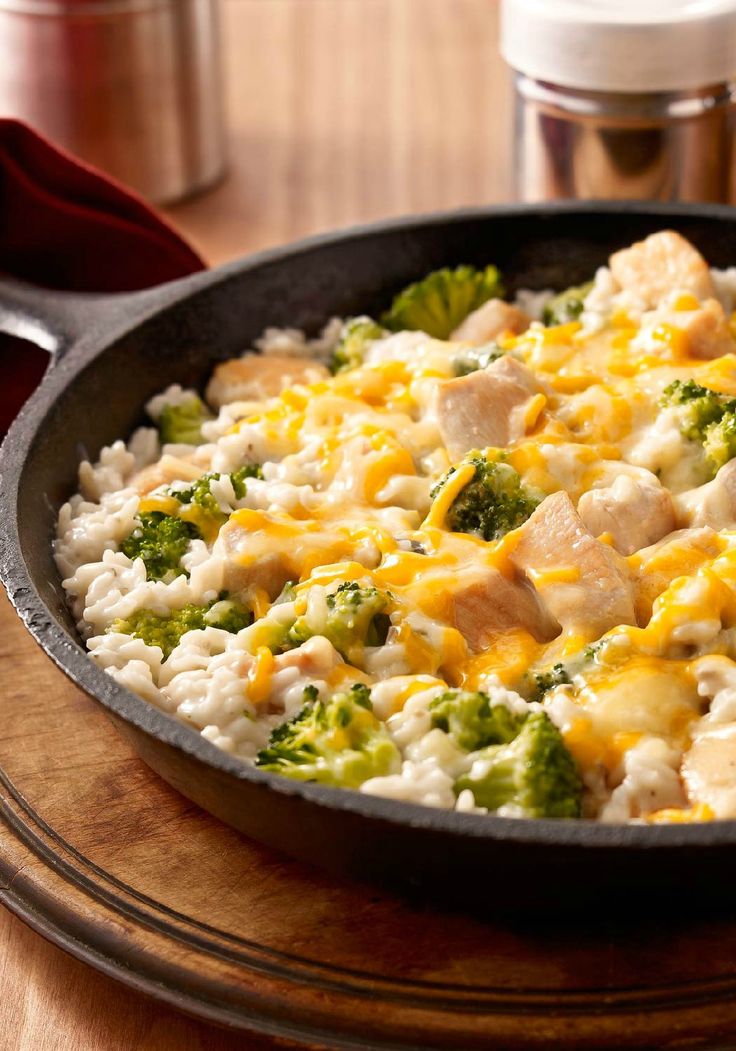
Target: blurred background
(257, 121)
(321, 112)
(342, 111)
(348, 110)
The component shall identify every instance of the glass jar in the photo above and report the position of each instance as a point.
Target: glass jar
(132, 86)
(626, 100)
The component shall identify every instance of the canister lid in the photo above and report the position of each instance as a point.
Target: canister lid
(621, 45)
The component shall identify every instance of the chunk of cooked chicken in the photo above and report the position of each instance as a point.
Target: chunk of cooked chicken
(676, 555)
(263, 549)
(489, 603)
(662, 263)
(583, 583)
(489, 321)
(260, 376)
(634, 513)
(165, 471)
(712, 504)
(486, 408)
(707, 330)
(709, 771)
(269, 573)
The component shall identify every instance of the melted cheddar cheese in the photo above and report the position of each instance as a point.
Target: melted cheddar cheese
(350, 465)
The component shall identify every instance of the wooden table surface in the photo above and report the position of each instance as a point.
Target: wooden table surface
(339, 111)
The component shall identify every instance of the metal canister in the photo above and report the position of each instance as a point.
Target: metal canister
(626, 100)
(132, 86)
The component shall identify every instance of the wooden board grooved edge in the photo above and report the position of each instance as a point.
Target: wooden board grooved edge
(107, 861)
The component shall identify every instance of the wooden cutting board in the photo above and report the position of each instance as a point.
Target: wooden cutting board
(106, 860)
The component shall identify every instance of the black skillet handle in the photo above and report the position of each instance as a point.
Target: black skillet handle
(56, 321)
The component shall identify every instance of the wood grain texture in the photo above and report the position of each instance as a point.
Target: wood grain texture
(343, 111)
(52, 1002)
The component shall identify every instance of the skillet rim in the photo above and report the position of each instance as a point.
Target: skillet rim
(73, 660)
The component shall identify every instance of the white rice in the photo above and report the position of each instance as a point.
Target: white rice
(208, 680)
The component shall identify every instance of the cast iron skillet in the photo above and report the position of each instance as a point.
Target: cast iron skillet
(110, 354)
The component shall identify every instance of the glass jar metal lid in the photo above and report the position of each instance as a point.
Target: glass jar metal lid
(621, 45)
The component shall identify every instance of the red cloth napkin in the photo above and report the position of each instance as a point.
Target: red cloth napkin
(65, 225)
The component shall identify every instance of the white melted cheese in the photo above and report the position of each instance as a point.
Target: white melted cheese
(349, 463)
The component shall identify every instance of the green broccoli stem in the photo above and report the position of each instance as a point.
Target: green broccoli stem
(336, 742)
(161, 541)
(493, 502)
(706, 417)
(442, 300)
(471, 720)
(497, 786)
(166, 630)
(566, 306)
(357, 335)
(535, 773)
(182, 423)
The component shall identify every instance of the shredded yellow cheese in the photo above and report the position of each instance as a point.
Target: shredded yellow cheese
(447, 495)
(259, 676)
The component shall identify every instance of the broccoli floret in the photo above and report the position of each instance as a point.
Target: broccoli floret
(355, 618)
(336, 742)
(701, 406)
(719, 443)
(470, 718)
(287, 593)
(356, 334)
(442, 300)
(160, 540)
(228, 615)
(166, 629)
(682, 392)
(182, 424)
(706, 417)
(590, 653)
(475, 358)
(557, 675)
(534, 773)
(493, 502)
(248, 470)
(536, 684)
(200, 493)
(566, 306)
